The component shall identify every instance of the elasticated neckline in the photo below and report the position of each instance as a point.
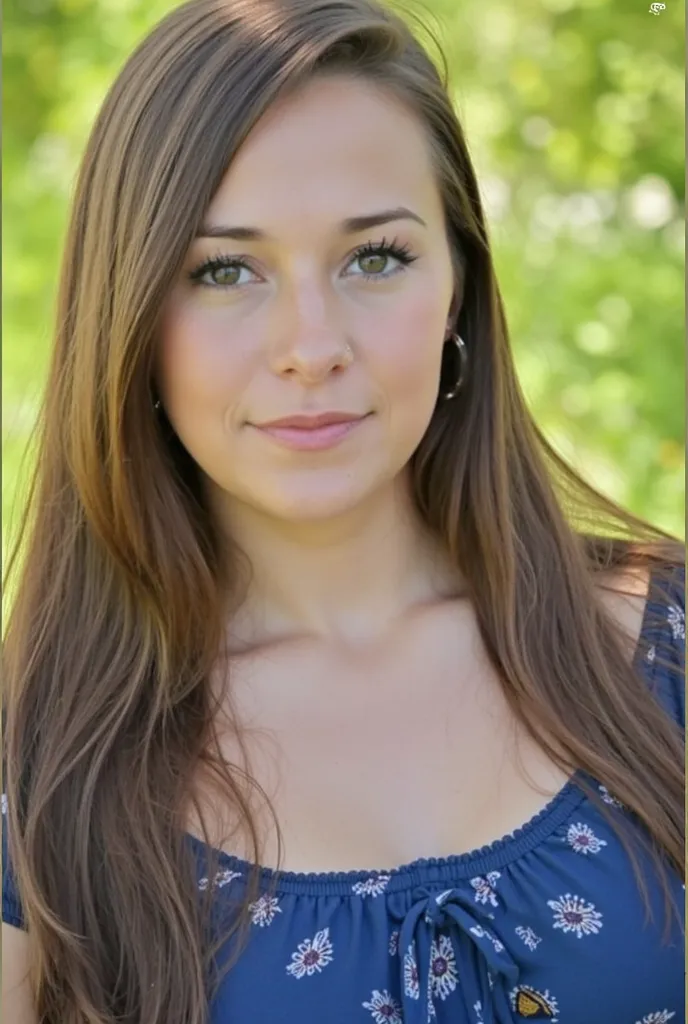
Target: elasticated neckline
(424, 870)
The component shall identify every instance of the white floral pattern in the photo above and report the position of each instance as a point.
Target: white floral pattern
(4, 803)
(439, 900)
(482, 933)
(651, 654)
(432, 1012)
(411, 983)
(221, 879)
(263, 911)
(373, 886)
(572, 914)
(531, 940)
(443, 975)
(384, 1008)
(677, 621)
(583, 839)
(394, 943)
(478, 1009)
(658, 1017)
(442, 897)
(608, 798)
(312, 955)
(485, 888)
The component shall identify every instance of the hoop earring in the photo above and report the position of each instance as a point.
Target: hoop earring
(463, 356)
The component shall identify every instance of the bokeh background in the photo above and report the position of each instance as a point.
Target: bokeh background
(574, 114)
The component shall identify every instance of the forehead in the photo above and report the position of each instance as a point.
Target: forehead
(340, 146)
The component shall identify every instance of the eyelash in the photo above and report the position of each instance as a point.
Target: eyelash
(400, 252)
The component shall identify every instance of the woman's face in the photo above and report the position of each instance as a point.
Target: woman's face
(296, 320)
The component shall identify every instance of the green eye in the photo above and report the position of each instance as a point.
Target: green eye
(221, 271)
(379, 254)
(223, 274)
(225, 271)
(376, 262)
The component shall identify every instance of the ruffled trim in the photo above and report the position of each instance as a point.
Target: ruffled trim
(424, 870)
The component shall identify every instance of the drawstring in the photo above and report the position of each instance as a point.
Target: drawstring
(432, 932)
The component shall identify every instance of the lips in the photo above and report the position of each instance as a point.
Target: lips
(320, 433)
(311, 422)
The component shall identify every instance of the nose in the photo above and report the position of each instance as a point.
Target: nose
(310, 342)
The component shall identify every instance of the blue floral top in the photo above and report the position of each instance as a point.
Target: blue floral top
(545, 923)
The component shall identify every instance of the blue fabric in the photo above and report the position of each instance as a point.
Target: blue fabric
(546, 923)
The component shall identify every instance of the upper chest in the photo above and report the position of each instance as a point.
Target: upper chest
(384, 755)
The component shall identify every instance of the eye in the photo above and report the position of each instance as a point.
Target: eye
(220, 272)
(373, 258)
(225, 271)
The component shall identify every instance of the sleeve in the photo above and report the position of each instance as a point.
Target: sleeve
(11, 905)
(669, 680)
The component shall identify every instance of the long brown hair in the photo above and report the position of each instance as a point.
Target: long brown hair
(117, 611)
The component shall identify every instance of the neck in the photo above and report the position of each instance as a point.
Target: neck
(348, 579)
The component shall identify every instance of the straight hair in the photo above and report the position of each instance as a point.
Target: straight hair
(117, 607)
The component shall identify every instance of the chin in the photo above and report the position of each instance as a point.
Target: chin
(318, 502)
(311, 510)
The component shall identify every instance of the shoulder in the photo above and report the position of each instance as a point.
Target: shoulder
(650, 606)
(662, 648)
(624, 595)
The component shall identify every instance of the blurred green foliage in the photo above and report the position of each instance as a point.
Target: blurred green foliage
(574, 114)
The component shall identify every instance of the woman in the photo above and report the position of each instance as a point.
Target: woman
(397, 653)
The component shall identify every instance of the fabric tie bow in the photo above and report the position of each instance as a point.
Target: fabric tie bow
(439, 931)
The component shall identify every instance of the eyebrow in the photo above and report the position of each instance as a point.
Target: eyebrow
(350, 226)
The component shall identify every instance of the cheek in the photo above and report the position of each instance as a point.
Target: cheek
(407, 371)
(408, 358)
(201, 367)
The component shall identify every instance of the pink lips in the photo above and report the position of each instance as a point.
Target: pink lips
(311, 433)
